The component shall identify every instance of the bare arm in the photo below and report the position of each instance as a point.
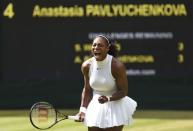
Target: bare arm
(86, 93)
(119, 73)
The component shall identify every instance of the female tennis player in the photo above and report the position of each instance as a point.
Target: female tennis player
(105, 105)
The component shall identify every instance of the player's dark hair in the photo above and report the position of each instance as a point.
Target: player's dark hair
(113, 50)
(112, 47)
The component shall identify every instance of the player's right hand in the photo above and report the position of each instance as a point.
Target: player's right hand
(81, 117)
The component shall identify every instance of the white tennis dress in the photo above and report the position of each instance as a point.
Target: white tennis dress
(109, 114)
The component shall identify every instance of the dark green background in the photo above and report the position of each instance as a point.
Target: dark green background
(37, 56)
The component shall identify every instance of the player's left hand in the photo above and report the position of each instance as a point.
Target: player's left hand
(102, 99)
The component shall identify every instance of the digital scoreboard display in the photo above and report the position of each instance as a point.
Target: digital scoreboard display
(44, 41)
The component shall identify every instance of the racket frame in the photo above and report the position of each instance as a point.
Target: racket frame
(56, 119)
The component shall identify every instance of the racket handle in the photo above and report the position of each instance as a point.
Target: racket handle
(73, 117)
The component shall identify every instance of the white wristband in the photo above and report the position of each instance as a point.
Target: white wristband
(82, 109)
(108, 97)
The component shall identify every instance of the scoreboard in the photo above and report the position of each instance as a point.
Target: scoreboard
(44, 42)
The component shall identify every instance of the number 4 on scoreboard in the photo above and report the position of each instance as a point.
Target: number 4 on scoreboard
(8, 12)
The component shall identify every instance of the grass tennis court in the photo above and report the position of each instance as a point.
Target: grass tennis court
(148, 120)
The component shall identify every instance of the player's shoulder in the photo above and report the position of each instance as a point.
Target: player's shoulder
(117, 64)
(86, 64)
(118, 68)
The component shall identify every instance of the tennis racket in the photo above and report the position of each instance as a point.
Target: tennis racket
(44, 116)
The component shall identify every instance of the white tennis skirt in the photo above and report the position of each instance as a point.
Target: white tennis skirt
(110, 114)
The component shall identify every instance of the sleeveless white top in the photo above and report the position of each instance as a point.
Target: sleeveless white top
(101, 80)
(112, 113)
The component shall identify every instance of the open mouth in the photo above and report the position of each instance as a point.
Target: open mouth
(97, 54)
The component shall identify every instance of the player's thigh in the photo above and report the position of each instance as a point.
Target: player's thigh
(116, 128)
(94, 129)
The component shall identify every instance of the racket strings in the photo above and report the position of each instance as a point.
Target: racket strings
(43, 116)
